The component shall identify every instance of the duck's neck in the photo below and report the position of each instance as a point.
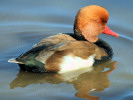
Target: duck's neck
(77, 34)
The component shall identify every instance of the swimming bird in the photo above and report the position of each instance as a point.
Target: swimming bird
(67, 52)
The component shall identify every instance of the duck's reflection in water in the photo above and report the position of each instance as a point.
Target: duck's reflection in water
(85, 81)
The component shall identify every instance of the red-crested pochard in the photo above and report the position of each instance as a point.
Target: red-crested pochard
(67, 52)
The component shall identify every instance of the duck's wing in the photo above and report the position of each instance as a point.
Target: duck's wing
(45, 45)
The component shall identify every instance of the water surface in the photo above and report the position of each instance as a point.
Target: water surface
(24, 23)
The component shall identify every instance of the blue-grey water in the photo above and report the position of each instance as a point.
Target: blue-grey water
(25, 22)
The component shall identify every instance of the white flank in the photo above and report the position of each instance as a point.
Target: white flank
(71, 63)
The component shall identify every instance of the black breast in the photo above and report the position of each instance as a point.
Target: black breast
(101, 43)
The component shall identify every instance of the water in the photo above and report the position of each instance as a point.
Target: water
(24, 23)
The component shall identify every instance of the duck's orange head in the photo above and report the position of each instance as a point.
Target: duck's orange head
(91, 21)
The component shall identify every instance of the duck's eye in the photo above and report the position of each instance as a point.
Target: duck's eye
(100, 21)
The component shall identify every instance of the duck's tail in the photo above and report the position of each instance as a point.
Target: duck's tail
(13, 60)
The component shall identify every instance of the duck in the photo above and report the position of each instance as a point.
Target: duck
(66, 52)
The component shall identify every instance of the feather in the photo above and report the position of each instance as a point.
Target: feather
(13, 60)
